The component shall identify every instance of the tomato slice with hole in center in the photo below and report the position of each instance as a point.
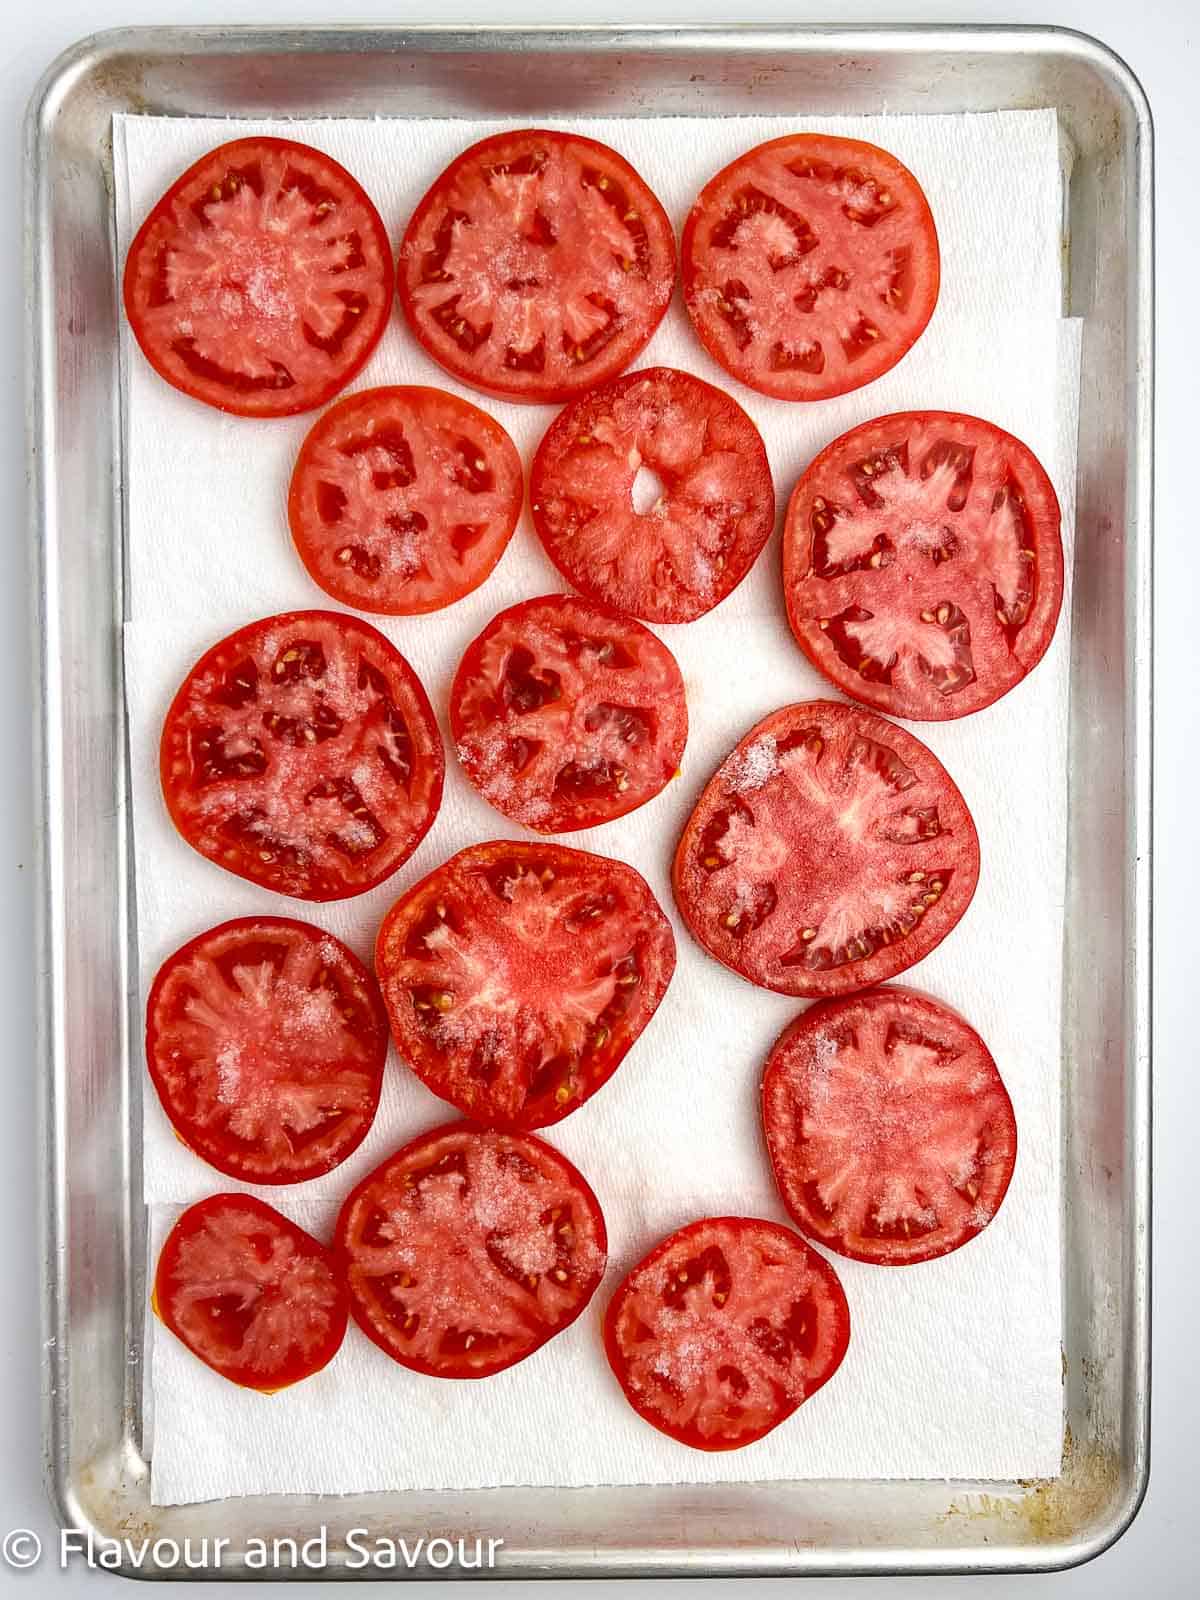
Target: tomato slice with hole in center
(537, 265)
(518, 976)
(922, 563)
(265, 1039)
(724, 1329)
(653, 495)
(262, 280)
(252, 1295)
(301, 752)
(830, 850)
(566, 715)
(467, 1250)
(891, 1134)
(403, 499)
(810, 265)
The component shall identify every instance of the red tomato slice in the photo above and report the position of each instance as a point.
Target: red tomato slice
(922, 563)
(251, 1294)
(537, 265)
(810, 265)
(517, 976)
(566, 715)
(891, 1135)
(830, 850)
(713, 507)
(724, 1329)
(265, 1040)
(262, 280)
(301, 752)
(468, 1250)
(403, 499)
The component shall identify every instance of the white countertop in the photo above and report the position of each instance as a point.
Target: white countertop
(1160, 43)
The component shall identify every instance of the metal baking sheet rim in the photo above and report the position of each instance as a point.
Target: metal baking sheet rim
(92, 1217)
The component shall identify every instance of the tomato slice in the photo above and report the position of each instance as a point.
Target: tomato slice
(537, 265)
(262, 280)
(404, 499)
(810, 265)
(712, 506)
(265, 1040)
(922, 563)
(566, 715)
(518, 976)
(830, 850)
(252, 1295)
(724, 1329)
(891, 1134)
(467, 1250)
(301, 752)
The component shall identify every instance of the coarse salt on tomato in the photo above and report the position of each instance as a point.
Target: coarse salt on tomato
(468, 1249)
(891, 1134)
(830, 850)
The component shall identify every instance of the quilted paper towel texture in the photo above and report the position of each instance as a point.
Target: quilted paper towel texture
(961, 1356)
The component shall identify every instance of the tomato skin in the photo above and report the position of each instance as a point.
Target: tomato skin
(398, 726)
(689, 552)
(229, 1239)
(189, 196)
(577, 169)
(659, 1276)
(985, 473)
(459, 462)
(201, 1114)
(798, 1076)
(730, 323)
(828, 860)
(517, 977)
(437, 1245)
(553, 702)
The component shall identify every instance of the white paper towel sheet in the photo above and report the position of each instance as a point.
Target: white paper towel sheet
(954, 1366)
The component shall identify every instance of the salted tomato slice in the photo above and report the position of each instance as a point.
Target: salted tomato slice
(301, 752)
(265, 1040)
(403, 499)
(537, 265)
(517, 977)
(923, 564)
(711, 505)
(810, 265)
(262, 280)
(468, 1249)
(725, 1329)
(251, 1294)
(566, 715)
(891, 1134)
(830, 850)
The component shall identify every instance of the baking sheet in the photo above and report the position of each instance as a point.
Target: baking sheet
(961, 1356)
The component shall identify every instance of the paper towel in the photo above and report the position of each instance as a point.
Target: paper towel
(954, 1366)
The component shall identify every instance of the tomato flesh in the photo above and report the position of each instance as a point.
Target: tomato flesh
(301, 752)
(248, 1292)
(266, 1039)
(693, 545)
(404, 499)
(566, 715)
(518, 976)
(922, 563)
(891, 1134)
(830, 850)
(262, 280)
(467, 1250)
(724, 1329)
(810, 265)
(537, 265)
